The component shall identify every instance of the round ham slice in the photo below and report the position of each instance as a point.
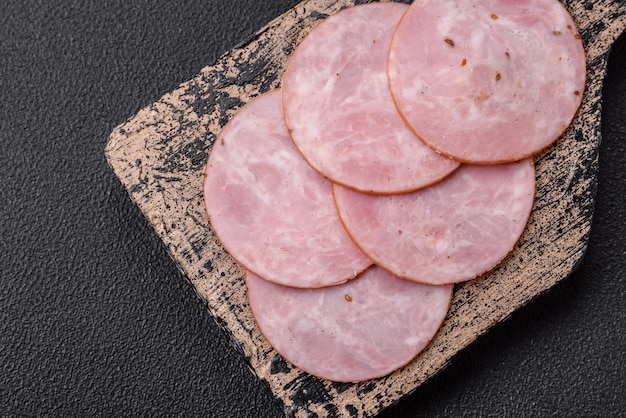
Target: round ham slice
(271, 211)
(360, 330)
(340, 112)
(487, 81)
(447, 233)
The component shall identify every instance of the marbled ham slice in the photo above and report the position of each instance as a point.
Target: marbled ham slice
(450, 232)
(365, 328)
(340, 112)
(487, 81)
(271, 211)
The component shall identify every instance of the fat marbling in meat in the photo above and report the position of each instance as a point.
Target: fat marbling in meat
(360, 330)
(340, 112)
(452, 231)
(487, 81)
(271, 211)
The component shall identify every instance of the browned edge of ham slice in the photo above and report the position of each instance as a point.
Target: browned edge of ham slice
(340, 112)
(360, 330)
(271, 211)
(487, 82)
(453, 231)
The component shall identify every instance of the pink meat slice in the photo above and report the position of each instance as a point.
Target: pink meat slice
(447, 233)
(340, 112)
(271, 211)
(360, 330)
(487, 81)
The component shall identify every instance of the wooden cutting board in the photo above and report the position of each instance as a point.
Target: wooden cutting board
(159, 156)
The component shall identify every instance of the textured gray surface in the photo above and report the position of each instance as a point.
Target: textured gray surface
(95, 319)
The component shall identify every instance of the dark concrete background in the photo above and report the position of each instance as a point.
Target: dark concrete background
(96, 320)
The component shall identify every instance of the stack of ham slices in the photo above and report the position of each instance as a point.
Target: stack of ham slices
(395, 161)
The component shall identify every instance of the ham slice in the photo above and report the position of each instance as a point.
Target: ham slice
(450, 232)
(340, 112)
(271, 211)
(487, 81)
(363, 329)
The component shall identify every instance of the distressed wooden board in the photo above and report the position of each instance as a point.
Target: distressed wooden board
(159, 156)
